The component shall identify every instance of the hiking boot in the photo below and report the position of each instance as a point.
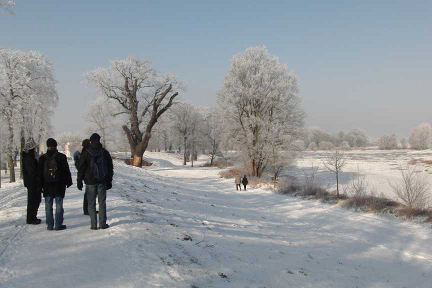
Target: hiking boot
(93, 228)
(106, 226)
(35, 222)
(61, 227)
(50, 228)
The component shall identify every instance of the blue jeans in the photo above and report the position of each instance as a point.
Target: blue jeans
(93, 192)
(58, 212)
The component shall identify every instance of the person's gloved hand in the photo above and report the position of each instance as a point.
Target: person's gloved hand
(80, 185)
(109, 185)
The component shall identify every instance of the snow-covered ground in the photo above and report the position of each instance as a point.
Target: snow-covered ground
(175, 226)
(379, 168)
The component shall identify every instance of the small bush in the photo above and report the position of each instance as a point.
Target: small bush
(370, 203)
(254, 181)
(314, 190)
(413, 188)
(411, 213)
(231, 173)
(289, 188)
(221, 163)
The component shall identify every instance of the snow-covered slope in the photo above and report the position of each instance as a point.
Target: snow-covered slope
(175, 226)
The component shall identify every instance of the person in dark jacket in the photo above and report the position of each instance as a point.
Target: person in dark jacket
(85, 144)
(244, 182)
(30, 175)
(96, 170)
(54, 177)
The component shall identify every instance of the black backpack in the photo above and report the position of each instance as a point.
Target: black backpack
(98, 165)
(51, 169)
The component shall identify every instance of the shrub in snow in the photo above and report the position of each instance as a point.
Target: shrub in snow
(413, 189)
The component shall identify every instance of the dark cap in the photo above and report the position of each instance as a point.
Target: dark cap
(95, 137)
(51, 142)
(85, 143)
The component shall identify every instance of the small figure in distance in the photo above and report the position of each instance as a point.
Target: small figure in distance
(54, 177)
(245, 182)
(96, 170)
(238, 182)
(30, 175)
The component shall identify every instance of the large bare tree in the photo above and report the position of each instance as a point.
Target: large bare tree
(141, 93)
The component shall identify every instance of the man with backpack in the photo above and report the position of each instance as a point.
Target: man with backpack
(96, 170)
(54, 177)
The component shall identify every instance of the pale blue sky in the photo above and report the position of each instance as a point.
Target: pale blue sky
(361, 64)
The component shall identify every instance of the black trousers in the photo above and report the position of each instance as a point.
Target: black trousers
(33, 202)
(85, 202)
(244, 186)
(238, 186)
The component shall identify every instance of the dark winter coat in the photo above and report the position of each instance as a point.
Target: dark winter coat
(76, 157)
(30, 170)
(56, 189)
(245, 180)
(84, 167)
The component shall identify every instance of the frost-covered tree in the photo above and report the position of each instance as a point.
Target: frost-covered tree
(185, 121)
(260, 93)
(335, 162)
(387, 142)
(141, 93)
(100, 119)
(312, 146)
(213, 132)
(316, 135)
(7, 6)
(344, 145)
(404, 143)
(28, 98)
(359, 137)
(325, 145)
(421, 137)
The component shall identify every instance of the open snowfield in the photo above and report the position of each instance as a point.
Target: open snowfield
(379, 168)
(175, 226)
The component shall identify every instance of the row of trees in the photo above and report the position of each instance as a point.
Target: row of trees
(28, 98)
(420, 139)
(316, 138)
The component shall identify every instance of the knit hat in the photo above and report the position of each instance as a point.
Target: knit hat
(95, 137)
(30, 144)
(85, 143)
(51, 142)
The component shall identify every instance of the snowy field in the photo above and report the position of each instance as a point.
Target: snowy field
(379, 168)
(175, 226)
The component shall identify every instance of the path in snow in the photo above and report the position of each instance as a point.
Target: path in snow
(184, 227)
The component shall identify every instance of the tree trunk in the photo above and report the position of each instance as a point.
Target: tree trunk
(22, 149)
(137, 160)
(184, 151)
(337, 185)
(11, 168)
